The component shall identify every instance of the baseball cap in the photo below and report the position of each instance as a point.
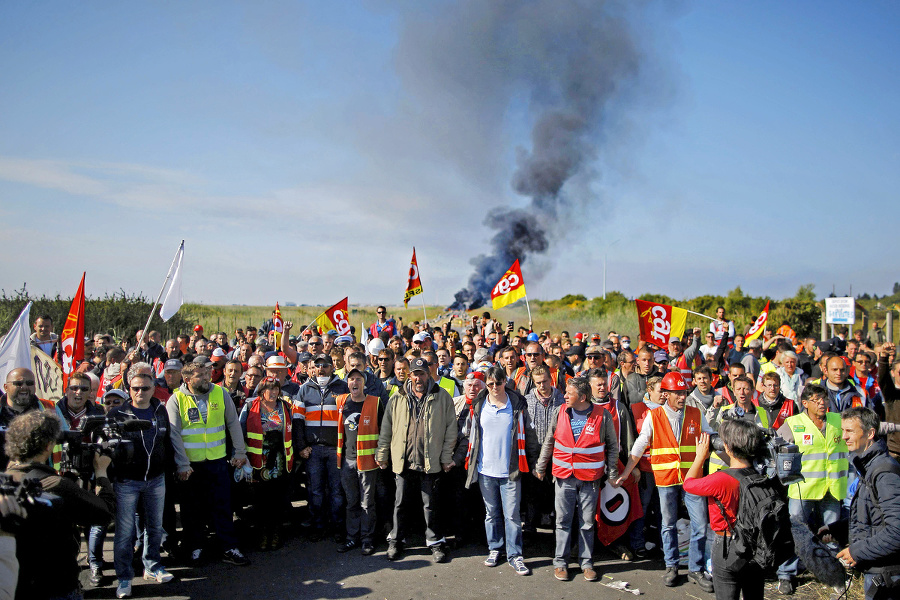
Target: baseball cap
(674, 338)
(579, 336)
(419, 364)
(419, 337)
(117, 392)
(303, 357)
(173, 364)
(343, 339)
(661, 356)
(218, 355)
(202, 360)
(324, 358)
(475, 375)
(357, 371)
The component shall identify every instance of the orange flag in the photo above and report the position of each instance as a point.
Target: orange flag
(72, 339)
(414, 285)
(510, 288)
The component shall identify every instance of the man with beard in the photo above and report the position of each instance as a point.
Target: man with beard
(231, 383)
(534, 356)
(416, 458)
(636, 383)
(201, 415)
(19, 398)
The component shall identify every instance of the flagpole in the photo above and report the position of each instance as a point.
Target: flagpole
(423, 308)
(528, 306)
(698, 314)
(155, 304)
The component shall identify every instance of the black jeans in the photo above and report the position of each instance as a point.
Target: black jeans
(408, 483)
(732, 575)
(207, 492)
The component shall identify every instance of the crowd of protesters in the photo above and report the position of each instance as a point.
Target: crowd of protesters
(490, 431)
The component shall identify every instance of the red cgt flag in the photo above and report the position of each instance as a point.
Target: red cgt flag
(510, 288)
(414, 285)
(617, 508)
(72, 342)
(659, 322)
(335, 318)
(758, 325)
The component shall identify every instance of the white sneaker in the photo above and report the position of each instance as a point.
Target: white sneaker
(493, 558)
(161, 576)
(124, 589)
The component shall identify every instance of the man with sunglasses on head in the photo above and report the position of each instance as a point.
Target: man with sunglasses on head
(17, 399)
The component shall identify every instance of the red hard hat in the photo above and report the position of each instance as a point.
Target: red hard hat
(198, 327)
(673, 382)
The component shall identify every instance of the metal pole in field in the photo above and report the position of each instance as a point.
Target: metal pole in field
(889, 326)
(824, 335)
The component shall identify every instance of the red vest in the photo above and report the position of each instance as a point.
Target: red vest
(255, 436)
(586, 458)
(641, 411)
(787, 410)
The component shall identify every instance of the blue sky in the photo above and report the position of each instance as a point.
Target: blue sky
(302, 149)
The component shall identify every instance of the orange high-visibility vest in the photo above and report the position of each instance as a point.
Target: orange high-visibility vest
(255, 435)
(671, 459)
(366, 433)
(586, 458)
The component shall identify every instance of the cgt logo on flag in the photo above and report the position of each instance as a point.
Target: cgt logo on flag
(758, 325)
(414, 284)
(510, 288)
(335, 318)
(659, 322)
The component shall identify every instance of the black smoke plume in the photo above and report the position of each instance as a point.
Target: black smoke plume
(576, 62)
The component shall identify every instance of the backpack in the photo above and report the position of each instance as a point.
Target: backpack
(762, 530)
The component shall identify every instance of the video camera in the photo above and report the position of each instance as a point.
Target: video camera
(102, 435)
(29, 493)
(777, 458)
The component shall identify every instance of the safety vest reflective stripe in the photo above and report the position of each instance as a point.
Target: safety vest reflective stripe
(824, 458)
(595, 450)
(580, 465)
(255, 435)
(203, 441)
(670, 463)
(366, 433)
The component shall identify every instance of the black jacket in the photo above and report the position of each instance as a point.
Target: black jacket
(152, 447)
(875, 528)
(48, 544)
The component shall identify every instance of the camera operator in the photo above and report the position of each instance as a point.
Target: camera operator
(142, 481)
(9, 564)
(732, 575)
(48, 543)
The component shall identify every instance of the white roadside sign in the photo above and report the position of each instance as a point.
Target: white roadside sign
(840, 310)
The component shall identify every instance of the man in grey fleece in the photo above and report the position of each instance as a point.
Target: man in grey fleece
(201, 416)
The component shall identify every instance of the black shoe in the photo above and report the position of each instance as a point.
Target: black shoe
(235, 557)
(394, 550)
(347, 546)
(640, 554)
(671, 576)
(96, 576)
(438, 554)
(699, 577)
(368, 549)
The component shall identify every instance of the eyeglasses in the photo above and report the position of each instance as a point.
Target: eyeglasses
(141, 388)
(816, 400)
(20, 383)
(861, 362)
(79, 388)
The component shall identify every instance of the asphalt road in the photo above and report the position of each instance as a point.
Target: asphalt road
(305, 569)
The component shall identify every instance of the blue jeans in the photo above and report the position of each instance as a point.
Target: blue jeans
(151, 494)
(669, 500)
(96, 538)
(502, 520)
(575, 497)
(814, 513)
(323, 471)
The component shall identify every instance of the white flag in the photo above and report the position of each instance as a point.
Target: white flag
(15, 346)
(173, 298)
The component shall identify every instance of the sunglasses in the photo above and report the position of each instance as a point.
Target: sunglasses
(79, 388)
(594, 357)
(493, 384)
(141, 388)
(20, 383)
(112, 402)
(382, 358)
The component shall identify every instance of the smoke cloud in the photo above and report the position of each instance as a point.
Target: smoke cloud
(572, 63)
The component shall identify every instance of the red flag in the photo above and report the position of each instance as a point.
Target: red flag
(758, 325)
(659, 322)
(335, 318)
(414, 285)
(72, 340)
(510, 288)
(617, 508)
(277, 326)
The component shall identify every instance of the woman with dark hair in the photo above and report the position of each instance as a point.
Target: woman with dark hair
(270, 425)
(732, 575)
